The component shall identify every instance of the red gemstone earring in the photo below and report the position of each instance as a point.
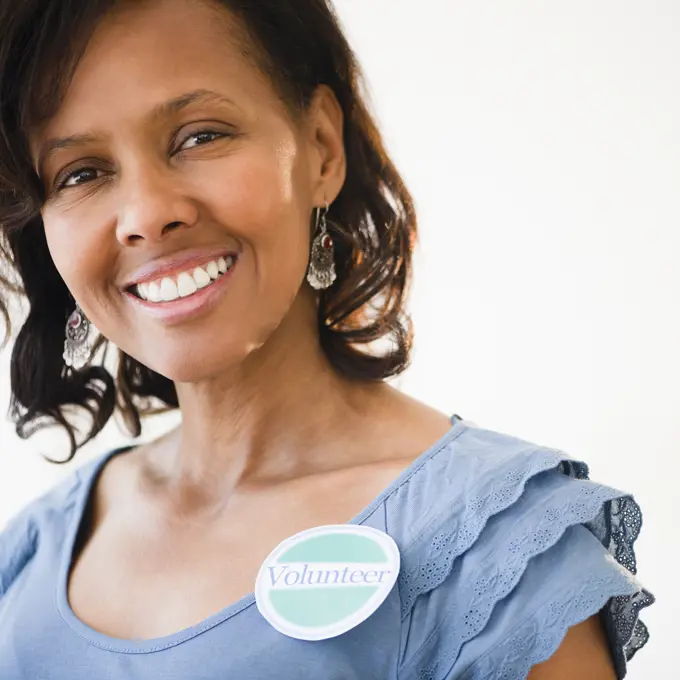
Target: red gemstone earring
(321, 272)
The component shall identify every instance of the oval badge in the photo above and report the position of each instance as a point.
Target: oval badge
(324, 581)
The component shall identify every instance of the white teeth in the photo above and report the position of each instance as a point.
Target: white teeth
(212, 269)
(201, 277)
(169, 290)
(154, 292)
(186, 285)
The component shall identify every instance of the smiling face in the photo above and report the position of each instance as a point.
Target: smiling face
(185, 177)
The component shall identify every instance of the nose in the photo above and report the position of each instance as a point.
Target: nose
(151, 205)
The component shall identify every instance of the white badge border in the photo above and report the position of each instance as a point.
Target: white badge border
(369, 607)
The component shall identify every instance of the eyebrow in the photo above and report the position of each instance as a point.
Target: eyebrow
(173, 106)
(163, 110)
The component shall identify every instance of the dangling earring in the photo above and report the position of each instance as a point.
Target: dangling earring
(77, 346)
(321, 273)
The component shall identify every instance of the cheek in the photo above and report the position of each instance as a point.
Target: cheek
(78, 255)
(262, 199)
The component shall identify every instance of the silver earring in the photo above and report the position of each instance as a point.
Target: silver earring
(321, 272)
(78, 345)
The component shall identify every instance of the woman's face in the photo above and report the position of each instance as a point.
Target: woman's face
(184, 164)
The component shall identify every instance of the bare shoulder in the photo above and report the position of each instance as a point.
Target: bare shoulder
(400, 431)
(584, 654)
(119, 478)
(373, 456)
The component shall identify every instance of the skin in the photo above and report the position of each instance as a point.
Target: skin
(268, 428)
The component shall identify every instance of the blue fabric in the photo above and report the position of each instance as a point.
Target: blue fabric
(505, 544)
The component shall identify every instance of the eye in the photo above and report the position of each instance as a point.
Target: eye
(200, 138)
(77, 177)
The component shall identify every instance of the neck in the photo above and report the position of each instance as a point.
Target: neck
(281, 412)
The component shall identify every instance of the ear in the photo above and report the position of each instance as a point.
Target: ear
(328, 162)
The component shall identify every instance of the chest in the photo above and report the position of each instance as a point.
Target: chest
(37, 643)
(138, 578)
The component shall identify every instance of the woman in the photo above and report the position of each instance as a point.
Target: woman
(200, 184)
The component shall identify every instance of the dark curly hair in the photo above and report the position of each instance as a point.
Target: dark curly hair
(298, 44)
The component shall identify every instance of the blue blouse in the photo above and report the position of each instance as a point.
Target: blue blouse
(504, 545)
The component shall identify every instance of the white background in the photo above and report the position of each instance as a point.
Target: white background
(541, 143)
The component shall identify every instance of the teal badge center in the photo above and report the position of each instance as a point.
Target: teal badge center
(324, 581)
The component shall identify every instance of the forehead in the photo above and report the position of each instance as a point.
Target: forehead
(147, 52)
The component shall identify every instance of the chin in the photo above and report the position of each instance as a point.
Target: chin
(196, 364)
(211, 352)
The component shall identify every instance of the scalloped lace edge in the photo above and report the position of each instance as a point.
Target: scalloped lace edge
(537, 640)
(417, 582)
(627, 633)
(551, 531)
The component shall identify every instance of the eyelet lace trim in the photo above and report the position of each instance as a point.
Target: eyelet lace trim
(496, 578)
(623, 522)
(537, 640)
(431, 570)
(617, 526)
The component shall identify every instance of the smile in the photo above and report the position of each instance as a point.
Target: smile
(178, 297)
(184, 284)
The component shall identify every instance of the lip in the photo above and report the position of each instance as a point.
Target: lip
(175, 264)
(184, 308)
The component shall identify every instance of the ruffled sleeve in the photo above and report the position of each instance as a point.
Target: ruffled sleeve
(516, 547)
